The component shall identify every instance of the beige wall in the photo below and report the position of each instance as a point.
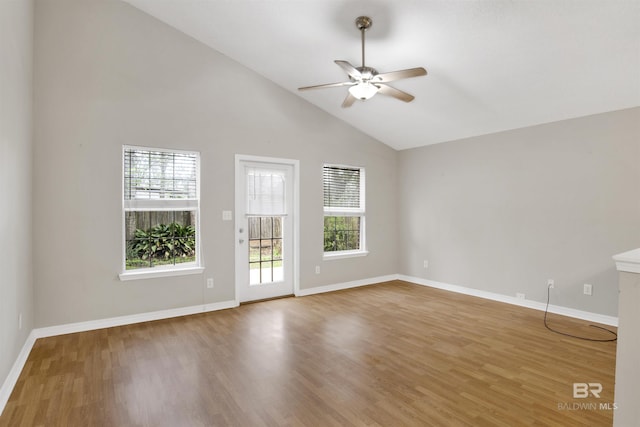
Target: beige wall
(16, 287)
(107, 75)
(505, 212)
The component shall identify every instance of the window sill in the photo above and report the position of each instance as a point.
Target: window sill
(343, 254)
(150, 274)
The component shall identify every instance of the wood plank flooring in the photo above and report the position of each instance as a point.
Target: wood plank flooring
(384, 355)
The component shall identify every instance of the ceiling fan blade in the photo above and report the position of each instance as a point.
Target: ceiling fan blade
(350, 69)
(398, 94)
(348, 101)
(401, 74)
(327, 85)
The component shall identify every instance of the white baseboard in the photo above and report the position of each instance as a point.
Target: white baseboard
(345, 285)
(91, 325)
(16, 369)
(536, 305)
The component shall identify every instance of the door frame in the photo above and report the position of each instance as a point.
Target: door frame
(239, 201)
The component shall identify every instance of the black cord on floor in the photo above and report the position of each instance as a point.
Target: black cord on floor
(546, 310)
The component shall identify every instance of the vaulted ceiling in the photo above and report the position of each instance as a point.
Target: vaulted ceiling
(493, 65)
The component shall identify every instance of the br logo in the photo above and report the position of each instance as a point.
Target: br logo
(582, 390)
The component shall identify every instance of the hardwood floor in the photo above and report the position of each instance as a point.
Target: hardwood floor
(383, 355)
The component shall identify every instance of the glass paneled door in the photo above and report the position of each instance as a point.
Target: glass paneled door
(264, 229)
(265, 249)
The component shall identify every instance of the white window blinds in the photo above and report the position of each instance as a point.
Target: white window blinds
(159, 175)
(156, 179)
(265, 192)
(342, 190)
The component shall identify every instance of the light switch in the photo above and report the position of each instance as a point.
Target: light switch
(226, 216)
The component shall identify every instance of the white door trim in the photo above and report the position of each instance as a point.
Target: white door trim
(295, 164)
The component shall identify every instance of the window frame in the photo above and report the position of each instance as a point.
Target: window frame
(154, 205)
(360, 212)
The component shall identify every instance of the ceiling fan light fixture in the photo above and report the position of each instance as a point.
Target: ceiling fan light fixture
(363, 90)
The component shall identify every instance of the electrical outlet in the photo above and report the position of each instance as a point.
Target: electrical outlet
(210, 283)
(588, 289)
(426, 264)
(317, 269)
(551, 283)
(520, 296)
(20, 321)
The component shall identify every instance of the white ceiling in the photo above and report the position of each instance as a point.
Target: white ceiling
(493, 64)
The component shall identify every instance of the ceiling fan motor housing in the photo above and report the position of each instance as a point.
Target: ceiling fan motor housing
(366, 74)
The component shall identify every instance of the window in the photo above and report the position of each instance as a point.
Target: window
(161, 210)
(344, 211)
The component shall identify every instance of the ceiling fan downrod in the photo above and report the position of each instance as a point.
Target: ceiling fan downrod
(363, 23)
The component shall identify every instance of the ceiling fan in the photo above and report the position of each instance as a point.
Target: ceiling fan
(364, 82)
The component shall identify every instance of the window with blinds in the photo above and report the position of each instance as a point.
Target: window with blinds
(150, 174)
(341, 188)
(344, 209)
(161, 208)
